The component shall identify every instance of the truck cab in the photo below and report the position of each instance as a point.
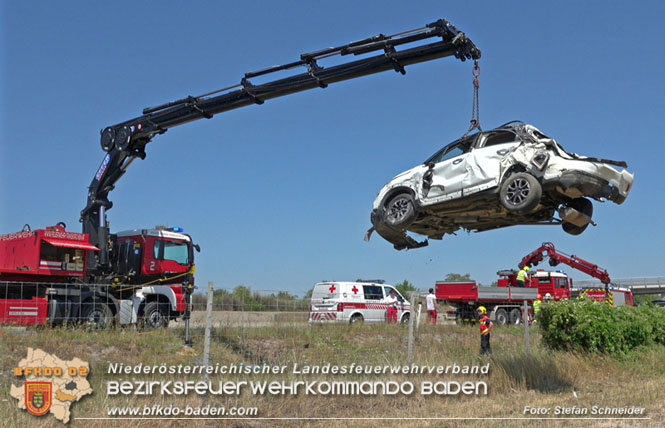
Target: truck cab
(556, 283)
(155, 268)
(145, 255)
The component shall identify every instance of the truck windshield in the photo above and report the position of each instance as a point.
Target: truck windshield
(177, 251)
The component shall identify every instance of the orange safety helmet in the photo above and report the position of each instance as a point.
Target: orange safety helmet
(539, 296)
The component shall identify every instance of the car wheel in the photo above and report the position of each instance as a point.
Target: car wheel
(96, 314)
(357, 319)
(400, 210)
(156, 315)
(520, 192)
(501, 317)
(405, 318)
(515, 316)
(584, 206)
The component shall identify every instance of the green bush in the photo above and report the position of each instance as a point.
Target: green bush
(584, 325)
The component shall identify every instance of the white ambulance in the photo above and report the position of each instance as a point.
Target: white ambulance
(353, 302)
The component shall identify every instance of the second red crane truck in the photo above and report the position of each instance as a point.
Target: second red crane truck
(505, 302)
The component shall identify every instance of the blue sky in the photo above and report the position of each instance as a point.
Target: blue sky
(279, 195)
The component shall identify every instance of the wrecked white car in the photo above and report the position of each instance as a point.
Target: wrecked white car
(511, 175)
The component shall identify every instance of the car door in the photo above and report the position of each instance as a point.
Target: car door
(483, 162)
(447, 170)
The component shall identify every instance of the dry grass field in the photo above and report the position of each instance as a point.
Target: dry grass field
(540, 379)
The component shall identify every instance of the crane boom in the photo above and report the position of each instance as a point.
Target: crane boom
(547, 249)
(126, 141)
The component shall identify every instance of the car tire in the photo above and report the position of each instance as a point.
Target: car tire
(584, 206)
(501, 317)
(405, 318)
(520, 192)
(515, 316)
(156, 315)
(356, 319)
(400, 211)
(96, 314)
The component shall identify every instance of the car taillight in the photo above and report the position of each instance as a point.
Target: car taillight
(340, 307)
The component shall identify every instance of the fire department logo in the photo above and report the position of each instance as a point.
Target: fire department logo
(51, 385)
(38, 397)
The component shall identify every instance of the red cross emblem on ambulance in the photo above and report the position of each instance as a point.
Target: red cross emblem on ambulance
(332, 289)
(355, 290)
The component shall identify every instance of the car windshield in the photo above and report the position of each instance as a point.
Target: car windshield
(452, 150)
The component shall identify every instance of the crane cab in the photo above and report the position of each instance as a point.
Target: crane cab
(556, 283)
(143, 255)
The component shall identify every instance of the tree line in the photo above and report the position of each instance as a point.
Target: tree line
(242, 298)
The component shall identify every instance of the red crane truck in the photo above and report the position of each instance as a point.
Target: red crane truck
(504, 303)
(45, 278)
(615, 296)
(99, 276)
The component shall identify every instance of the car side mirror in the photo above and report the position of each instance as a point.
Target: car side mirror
(429, 165)
(197, 248)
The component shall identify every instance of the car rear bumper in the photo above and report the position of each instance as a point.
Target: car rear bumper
(579, 184)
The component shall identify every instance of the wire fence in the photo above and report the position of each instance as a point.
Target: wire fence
(256, 324)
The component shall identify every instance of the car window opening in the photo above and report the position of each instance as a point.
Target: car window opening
(501, 137)
(452, 151)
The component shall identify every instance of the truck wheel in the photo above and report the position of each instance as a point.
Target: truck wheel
(356, 319)
(520, 193)
(501, 317)
(156, 315)
(515, 316)
(400, 211)
(584, 206)
(96, 314)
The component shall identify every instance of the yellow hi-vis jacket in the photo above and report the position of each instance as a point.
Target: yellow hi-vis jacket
(536, 306)
(521, 276)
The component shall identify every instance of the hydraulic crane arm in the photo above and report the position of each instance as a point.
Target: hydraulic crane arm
(126, 141)
(548, 250)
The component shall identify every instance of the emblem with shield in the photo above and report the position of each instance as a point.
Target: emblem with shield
(38, 397)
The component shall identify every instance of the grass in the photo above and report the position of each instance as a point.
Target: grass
(541, 378)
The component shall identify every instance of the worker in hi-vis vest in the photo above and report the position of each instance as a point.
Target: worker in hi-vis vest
(536, 305)
(485, 327)
(521, 276)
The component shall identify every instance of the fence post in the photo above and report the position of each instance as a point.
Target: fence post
(420, 306)
(526, 326)
(411, 323)
(188, 316)
(206, 348)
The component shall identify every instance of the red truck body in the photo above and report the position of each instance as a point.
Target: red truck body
(613, 297)
(504, 302)
(44, 277)
(51, 254)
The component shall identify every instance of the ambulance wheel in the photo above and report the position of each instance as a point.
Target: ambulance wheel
(515, 317)
(501, 317)
(96, 314)
(156, 315)
(405, 318)
(357, 319)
